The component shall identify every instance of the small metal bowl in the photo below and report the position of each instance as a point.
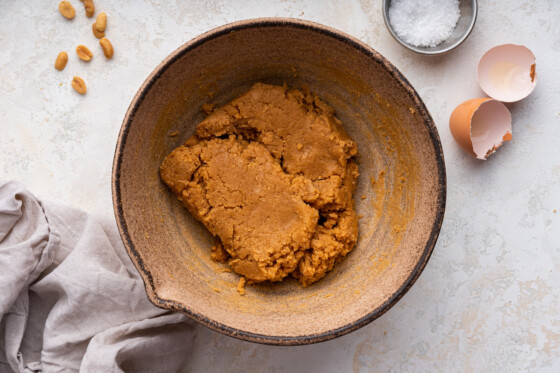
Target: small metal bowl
(468, 9)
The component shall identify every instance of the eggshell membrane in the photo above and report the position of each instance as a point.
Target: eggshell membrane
(507, 72)
(480, 126)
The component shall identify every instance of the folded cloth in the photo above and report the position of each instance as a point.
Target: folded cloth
(70, 298)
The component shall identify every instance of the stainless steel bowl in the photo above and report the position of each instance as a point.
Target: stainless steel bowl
(469, 10)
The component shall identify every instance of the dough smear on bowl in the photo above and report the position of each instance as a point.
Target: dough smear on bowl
(271, 175)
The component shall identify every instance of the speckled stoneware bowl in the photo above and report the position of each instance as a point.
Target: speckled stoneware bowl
(401, 188)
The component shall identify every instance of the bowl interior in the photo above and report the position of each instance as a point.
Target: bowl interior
(468, 10)
(401, 188)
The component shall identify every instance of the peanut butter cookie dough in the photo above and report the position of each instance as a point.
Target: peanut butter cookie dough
(271, 174)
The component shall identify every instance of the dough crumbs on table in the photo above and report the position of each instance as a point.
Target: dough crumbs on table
(363, 196)
(173, 134)
(277, 209)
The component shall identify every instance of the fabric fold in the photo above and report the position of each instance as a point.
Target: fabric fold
(71, 299)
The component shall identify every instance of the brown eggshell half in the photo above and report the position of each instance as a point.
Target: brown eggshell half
(480, 126)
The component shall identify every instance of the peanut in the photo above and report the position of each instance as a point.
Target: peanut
(101, 23)
(90, 8)
(84, 53)
(66, 9)
(79, 85)
(60, 62)
(96, 32)
(107, 47)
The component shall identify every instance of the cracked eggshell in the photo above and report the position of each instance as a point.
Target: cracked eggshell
(480, 126)
(507, 72)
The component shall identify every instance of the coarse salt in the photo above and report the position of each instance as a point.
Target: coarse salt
(424, 23)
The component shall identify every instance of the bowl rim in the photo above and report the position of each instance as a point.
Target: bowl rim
(426, 50)
(206, 321)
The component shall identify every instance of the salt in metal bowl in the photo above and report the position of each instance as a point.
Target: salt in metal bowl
(468, 9)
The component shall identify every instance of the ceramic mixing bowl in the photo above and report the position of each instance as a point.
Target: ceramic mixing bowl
(401, 189)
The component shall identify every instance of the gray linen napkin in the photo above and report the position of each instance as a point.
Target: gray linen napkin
(70, 298)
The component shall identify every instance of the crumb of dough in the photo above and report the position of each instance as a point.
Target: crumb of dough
(218, 253)
(207, 108)
(272, 176)
(241, 286)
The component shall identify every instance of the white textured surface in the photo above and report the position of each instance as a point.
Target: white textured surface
(488, 299)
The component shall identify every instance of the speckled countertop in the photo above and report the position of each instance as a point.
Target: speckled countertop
(488, 299)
